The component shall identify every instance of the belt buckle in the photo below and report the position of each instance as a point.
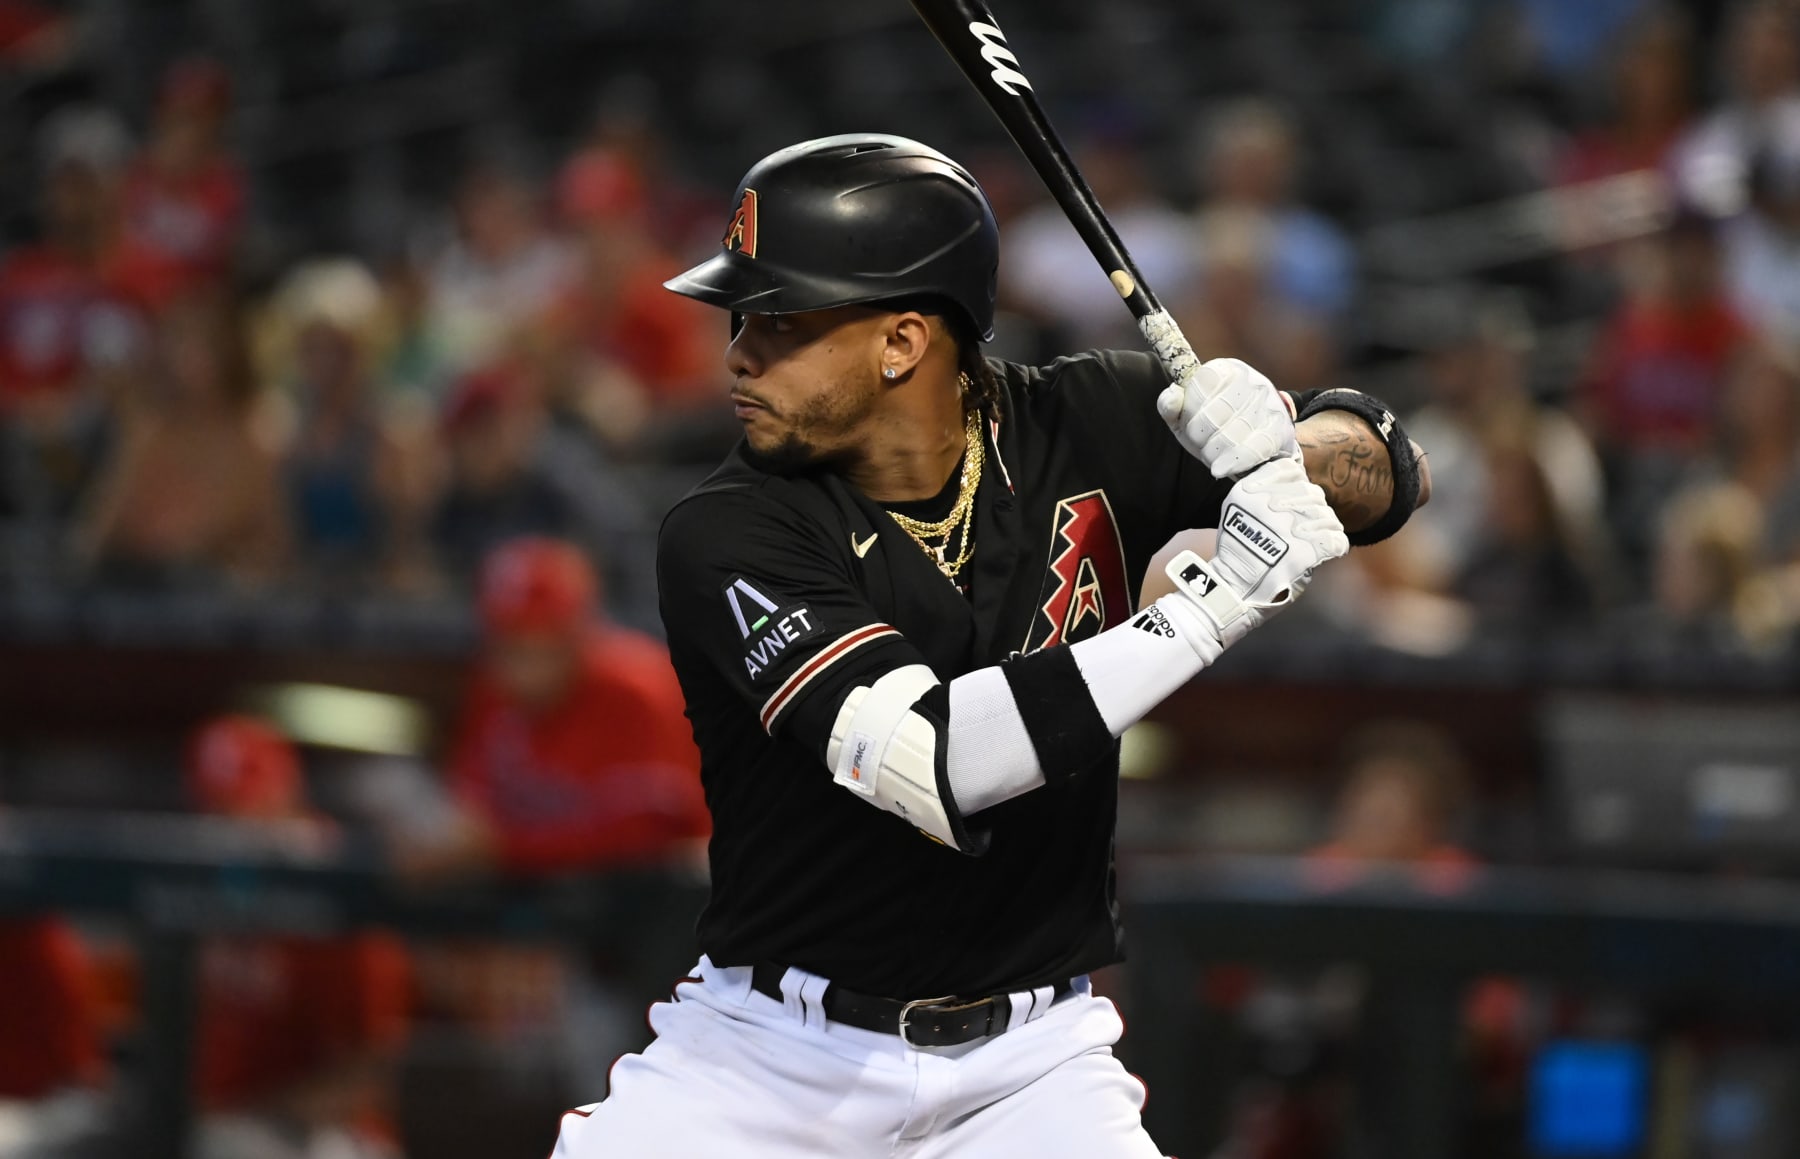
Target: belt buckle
(907, 1010)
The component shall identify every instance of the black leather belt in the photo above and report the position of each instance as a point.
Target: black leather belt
(923, 1022)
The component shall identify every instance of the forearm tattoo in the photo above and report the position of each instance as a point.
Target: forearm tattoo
(1350, 464)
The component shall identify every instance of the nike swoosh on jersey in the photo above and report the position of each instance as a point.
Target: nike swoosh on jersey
(862, 549)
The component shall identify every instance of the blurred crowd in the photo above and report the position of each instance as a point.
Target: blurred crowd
(570, 755)
(494, 405)
(1658, 481)
(175, 414)
(348, 425)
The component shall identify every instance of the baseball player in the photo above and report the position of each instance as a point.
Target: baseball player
(901, 613)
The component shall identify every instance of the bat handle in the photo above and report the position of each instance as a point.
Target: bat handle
(1178, 359)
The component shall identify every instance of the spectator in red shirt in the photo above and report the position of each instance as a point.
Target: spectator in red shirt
(68, 331)
(64, 309)
(572, 752)
(51, 1041)
(51, 1057)
(628, 126)
(296, 1036)
(184, 198)
(634, 347)
(1663, 357)
(1659, 371)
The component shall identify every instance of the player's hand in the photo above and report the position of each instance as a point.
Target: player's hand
(1230, 417)
(1275, 528)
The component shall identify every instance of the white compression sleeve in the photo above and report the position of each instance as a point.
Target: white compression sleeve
(1132, 668)
(990, 758)
(1129, 669)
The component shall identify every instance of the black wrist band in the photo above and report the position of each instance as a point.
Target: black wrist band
(1401, 457)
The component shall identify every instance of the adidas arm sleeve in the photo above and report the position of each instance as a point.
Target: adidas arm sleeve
(1049, 715)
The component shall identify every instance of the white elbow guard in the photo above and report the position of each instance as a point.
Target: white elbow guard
(885, 750)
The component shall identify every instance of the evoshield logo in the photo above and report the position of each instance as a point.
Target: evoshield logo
(1000, 58)
(862, 775)
(1250, 531)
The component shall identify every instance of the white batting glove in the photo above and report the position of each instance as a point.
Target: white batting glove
(1230, 417)
(1274, 530)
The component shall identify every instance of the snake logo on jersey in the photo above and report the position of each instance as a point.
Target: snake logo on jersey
(1085, 589)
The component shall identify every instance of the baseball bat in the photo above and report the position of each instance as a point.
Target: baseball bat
(974, 41)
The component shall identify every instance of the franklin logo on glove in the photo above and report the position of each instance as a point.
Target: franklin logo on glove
(1249, 530)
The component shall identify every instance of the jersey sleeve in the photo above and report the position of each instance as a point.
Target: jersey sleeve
(753, 590)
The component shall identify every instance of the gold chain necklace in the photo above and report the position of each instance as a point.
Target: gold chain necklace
(962, 515)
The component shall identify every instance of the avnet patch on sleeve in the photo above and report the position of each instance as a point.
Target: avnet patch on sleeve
(768, 624)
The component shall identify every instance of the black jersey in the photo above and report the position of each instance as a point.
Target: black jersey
(781, 594)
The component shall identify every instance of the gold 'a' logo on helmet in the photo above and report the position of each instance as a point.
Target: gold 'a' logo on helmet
(740, 235)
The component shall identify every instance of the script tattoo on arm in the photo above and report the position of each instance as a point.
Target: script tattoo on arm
(1350, 464)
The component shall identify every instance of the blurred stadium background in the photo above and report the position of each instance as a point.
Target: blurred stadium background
(345, 808)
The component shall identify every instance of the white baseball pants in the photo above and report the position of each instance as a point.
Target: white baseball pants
(734, 1073)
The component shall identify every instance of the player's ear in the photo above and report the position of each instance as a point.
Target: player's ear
(905, 339)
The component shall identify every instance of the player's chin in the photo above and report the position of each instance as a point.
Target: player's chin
(762, 432)
(761, 429)
(778, 452)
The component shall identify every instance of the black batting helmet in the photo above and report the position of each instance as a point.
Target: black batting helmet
(856, 218)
